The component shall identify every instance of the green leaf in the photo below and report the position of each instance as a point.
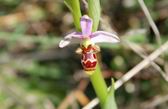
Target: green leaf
(94, 12)
(110, 100)
(74, 7)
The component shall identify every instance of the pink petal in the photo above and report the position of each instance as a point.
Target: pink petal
(86, 25)
(71, 38)
(102, 36)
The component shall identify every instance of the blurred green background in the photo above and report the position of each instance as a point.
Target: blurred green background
(36, 74)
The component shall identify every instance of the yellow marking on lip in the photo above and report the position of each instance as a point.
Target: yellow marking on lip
(90, 72)
(86, 42)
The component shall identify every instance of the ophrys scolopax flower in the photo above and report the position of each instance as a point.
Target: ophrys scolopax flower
(88, 39)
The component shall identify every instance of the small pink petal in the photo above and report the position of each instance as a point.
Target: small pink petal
(86, 25)
(71, 38)
(102, 36)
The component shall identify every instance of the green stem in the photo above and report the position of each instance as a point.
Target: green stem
(96, 77)
(99, 85)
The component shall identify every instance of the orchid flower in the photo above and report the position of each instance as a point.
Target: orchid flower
(86, 33)
(88, 50)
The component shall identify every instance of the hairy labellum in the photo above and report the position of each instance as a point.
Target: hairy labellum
(89, 59)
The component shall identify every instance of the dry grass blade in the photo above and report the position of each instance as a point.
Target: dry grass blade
(133, 71)
(137, 49)
(155, 102)
(150, 20)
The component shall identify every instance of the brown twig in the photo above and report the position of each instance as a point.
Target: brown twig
(76, 95)
(67, 101)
